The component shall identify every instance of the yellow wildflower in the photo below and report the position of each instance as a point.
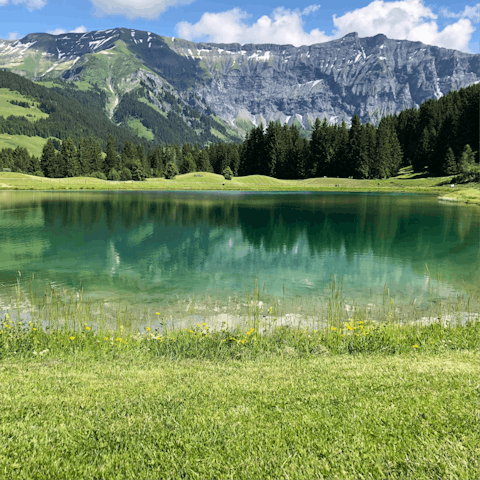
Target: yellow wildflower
(147, 329)
(88, 328)
(333, 328)
(72, 338)
(158, 313)
(415, 346)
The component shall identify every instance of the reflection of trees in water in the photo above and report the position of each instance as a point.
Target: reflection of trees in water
(184, 226)
(393, 228)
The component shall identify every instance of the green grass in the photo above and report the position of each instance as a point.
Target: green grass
(34, 145)
(366, 395)
(403, 417)
(7, 109)
(140, 129)
(209, 181)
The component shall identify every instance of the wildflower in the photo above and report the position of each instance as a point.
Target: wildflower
(106, 338)
(158, 313)
(34, 352)
(88, 328)
(415, 346)
(147, 329)
(333, 328)
(72, 338)
(34, 329)
(203, 324)
(349, 327)
(118, 339)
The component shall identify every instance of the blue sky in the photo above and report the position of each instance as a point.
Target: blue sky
(301, 22)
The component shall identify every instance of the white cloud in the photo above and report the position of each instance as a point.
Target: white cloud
(470, 12)
(135, 8)
(61, 31)
(12, 36)
(405, 20)
(29, 4)
(283, 26)
(402, 19)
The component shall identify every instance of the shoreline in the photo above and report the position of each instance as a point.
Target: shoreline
(209, 182)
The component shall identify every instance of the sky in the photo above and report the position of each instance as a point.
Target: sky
(445, 24)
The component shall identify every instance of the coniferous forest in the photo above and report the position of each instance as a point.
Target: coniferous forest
(440, 138)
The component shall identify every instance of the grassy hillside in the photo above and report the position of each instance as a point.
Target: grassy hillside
(34, 145)
(7, 108)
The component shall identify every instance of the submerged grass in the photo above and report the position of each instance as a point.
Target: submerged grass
(361, 393)
(61, 322)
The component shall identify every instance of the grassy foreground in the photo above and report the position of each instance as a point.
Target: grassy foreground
(342, 417)
(405, 182)
(361, 399)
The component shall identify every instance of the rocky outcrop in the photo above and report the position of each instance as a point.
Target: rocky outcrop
(245, 84)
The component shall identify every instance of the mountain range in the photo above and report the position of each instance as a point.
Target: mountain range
(161, 86)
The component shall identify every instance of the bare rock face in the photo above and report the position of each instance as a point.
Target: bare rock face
(370, 77)
(245, 84)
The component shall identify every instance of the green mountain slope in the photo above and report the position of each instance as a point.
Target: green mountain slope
(136, 87)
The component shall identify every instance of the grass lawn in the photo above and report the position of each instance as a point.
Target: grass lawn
(410, 416)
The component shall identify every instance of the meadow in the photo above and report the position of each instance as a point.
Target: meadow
(405, 182)
(369, 393)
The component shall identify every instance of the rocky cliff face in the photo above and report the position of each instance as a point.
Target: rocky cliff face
(250, 84)
(336, 80)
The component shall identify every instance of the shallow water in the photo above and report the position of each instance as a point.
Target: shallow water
(153, 248)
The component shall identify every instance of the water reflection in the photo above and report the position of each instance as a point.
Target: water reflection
(146, 247)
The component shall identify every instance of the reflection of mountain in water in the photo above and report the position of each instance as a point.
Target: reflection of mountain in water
(152, 241)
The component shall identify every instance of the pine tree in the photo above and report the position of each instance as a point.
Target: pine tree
(111, 156)
(69, 158)
(450, 163)
(171, 170)
(466, 160)
(234, 158)
(83, 158)
(129, 154)
(357, 163)
(383, 160)
(187, 164)
(97, 163)
(396, 154)
(424, 150)
(204, 162)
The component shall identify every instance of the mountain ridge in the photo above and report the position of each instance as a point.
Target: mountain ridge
(239, 86)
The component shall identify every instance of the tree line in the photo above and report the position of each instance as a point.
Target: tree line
(436, 138)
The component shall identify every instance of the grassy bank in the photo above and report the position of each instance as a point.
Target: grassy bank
(366, 394)
(410, 416)
(406, 182)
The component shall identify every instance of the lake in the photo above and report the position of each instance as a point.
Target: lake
(154, 248)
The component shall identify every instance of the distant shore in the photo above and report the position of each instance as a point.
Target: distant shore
(406, 182)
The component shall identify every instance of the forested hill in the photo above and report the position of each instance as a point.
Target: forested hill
(67, 116)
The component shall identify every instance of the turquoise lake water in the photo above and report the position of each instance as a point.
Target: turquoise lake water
(149, 248)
